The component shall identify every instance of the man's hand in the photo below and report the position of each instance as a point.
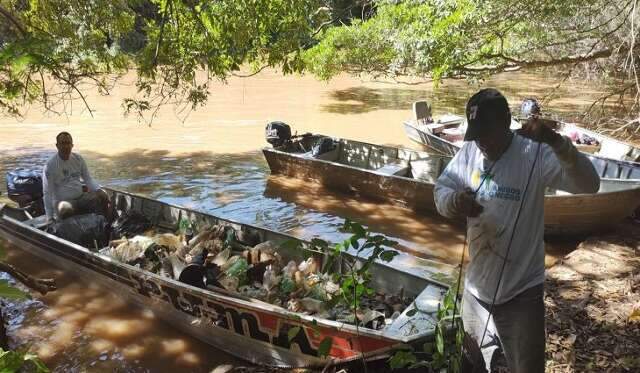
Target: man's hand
(465, 204)
(540, 130)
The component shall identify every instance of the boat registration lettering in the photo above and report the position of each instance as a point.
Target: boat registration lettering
(223, 316)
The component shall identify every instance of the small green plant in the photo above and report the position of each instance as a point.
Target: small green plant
(14, 361)
(445, 352)
(6, 289)
(355, 282)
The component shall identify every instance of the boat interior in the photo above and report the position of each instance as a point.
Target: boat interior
(391, 161)
(603, 146)
(452, 127)
(383, 160)
(166, 219)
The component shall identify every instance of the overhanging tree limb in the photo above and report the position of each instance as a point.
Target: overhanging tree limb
(513, 64)
(13, 20)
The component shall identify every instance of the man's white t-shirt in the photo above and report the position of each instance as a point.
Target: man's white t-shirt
(501, 194)
(63, 180)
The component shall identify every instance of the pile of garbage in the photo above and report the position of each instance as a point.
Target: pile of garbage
(222, 259)
(582, 139)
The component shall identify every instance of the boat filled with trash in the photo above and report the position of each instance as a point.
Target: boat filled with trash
(219, 258)
(261, 295)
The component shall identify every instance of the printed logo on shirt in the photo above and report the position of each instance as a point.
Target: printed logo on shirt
(490, 189)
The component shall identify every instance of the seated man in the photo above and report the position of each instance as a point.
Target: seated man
(63, 181)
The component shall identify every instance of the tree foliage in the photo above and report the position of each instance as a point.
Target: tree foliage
(51, 51)
(440, 39)
(176, 47)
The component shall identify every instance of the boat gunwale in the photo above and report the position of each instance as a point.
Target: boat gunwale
(294, 317)
(411, 123)
(634, 182)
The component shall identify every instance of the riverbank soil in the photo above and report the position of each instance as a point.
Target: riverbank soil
(592, 299)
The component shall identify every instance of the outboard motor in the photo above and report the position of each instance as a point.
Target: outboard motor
(277, 133)
(25, 188)
(529, 107)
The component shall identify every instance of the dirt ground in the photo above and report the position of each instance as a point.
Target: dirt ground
(592, 299)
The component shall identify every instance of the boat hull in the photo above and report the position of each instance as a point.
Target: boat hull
(571, 214)
(432, 142)
(582, 214)
(393, 189)
(249, 329)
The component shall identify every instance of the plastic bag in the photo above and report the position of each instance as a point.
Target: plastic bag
(88, 230)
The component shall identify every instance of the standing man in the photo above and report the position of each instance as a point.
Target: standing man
(497, 182)
(67, 185)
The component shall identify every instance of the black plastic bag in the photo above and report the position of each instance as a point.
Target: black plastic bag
(24, 182)
(88, 230)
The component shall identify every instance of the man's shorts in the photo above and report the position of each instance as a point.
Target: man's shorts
(87, 203)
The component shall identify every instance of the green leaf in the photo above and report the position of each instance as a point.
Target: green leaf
(358, 230)
(319, 243)
(412, 312)
(21, 63)
(13, 361)
(390, 243)
(402, 359)
(293, 332)
(10, 361)
(388, 255)
(290, 245)
(10, 292)
(35, 360)
(325, 346)
(346, 244)
(287, 285)
(439, 341)
(354, 242)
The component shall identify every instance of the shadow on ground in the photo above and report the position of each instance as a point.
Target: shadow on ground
(591, 297)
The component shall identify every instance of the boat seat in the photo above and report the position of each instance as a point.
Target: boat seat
(614, 149)
(398, 169)
(421, 112)
(426, 169)
(39, 222)
(331, 155)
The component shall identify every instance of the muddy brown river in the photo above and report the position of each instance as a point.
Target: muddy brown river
(210, 160)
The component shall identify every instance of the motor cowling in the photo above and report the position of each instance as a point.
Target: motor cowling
(277, 133)
(529, 107)
(24, 186)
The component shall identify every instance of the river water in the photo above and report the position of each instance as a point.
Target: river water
(210, 160)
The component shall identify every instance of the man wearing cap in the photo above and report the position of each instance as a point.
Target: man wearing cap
(68, 187)
(497, 182)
